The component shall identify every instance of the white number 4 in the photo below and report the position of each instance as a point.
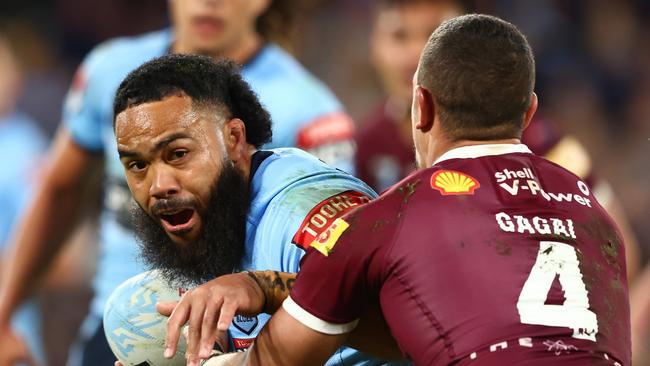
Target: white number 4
(560, 259)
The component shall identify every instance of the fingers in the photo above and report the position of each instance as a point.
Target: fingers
(166, 308)
(194, 331)
(222, 340)
(177, 319)
(228, 310)
(118, 363)
(209, 329)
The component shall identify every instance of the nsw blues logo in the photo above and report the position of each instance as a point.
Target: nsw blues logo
(245, 324)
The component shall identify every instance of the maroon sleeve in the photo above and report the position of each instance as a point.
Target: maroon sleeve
(346, 265)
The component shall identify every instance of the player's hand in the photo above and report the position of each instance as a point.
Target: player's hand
(118, 363)
(209, 309)
(14, 350)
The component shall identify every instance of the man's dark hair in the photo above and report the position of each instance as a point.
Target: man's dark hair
(207, 82)
(278, 23)
(481, 72)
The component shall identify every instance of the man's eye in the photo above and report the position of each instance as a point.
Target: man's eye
(136, 166)
(177, 154)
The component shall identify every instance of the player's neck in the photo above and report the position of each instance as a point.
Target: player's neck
(438, 149)
(240, 51)
(243, 50)
(244, 164)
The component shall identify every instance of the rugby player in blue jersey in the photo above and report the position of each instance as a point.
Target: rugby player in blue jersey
(21, 148)
(211, 202)
(305, 114)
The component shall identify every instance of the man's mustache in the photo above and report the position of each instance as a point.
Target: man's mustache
(172, 205)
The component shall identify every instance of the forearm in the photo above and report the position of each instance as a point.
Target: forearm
(275, 286)
(40, 234)
(372, 336)
(284, 341)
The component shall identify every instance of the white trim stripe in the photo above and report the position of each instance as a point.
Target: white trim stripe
(315, 323)
(477, 151)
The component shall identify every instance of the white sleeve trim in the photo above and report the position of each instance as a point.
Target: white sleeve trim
(315, 323)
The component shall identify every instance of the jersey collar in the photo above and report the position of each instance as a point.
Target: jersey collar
(477, 151)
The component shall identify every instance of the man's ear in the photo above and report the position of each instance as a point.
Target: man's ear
(528, 116)
(234, 137)
(426, 109)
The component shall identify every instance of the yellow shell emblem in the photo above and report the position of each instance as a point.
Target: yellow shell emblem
(453, 182)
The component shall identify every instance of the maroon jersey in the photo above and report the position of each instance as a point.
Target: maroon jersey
(383, 156)
(493, 256)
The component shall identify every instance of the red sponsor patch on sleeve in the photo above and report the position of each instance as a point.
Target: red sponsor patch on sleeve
(242, 344)
(324, 214)
(79, 80)
(325, 129)
(74, 99)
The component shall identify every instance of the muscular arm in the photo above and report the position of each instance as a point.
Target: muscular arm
(275, 286)
(284, 341)
(287, 342)
(249, 294)
(47, 221)
(371, 335)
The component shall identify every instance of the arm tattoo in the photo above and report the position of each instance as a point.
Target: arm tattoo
(275, 286)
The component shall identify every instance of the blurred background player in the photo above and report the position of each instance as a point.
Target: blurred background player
(21, 147)
(304, 111)
(384, 149)
(399, 32)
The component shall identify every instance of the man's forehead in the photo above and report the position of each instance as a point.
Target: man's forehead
(155, 118)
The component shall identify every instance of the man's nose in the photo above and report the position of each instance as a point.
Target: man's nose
(164, 183)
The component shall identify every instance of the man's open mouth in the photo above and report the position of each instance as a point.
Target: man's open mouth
(178, 221)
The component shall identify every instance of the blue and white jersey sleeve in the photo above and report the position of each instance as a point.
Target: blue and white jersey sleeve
(295, 197)
(81, 112)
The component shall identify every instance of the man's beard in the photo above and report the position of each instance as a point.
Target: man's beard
(220, 245)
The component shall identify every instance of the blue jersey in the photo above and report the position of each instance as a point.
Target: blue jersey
(301, 108)
(21, 146)
(294, 197)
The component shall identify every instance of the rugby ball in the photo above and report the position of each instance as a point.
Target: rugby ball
(134, 329)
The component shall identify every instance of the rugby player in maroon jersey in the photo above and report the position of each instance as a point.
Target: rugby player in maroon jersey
(489, 255)
(384, 144)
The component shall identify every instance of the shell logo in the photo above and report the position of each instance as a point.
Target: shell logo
(451, 182)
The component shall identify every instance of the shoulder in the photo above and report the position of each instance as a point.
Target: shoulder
(301, 192)
(126, 53)
(296, 177)
(274, 72)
